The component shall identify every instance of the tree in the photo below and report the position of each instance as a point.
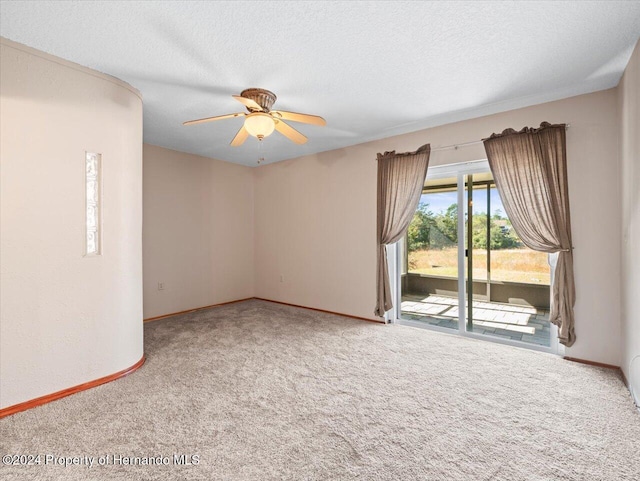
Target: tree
(447, 224)
(438, 231)
(418, 233)
(503, 235)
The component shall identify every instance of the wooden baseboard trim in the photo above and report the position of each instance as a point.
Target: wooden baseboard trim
(16, 408)
(320, 310)
(157, 318)
(164, 316)
(592, 363)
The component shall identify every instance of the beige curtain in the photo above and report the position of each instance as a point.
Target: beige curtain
(400, 181)
(530, 171)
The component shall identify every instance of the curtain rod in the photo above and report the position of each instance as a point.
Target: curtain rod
(465, 144)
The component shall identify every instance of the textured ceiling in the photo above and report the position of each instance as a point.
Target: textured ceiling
(372, 69)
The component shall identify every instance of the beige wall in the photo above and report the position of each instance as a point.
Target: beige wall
(66, 319)
(198, 231)
(629, 110)
(316, 222)
(315, 227)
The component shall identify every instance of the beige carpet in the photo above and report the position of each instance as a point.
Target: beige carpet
(261, 391)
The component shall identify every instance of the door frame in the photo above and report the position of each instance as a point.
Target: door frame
(459, 171)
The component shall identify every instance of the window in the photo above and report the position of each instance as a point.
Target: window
(93, 189)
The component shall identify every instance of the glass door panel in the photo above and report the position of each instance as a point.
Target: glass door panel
(508, 286)
(429, 279)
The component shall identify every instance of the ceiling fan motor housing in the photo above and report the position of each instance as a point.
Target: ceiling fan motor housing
(264, 98)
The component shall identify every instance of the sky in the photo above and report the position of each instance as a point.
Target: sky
(438, 202)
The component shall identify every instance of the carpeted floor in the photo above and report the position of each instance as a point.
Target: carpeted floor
(261, 391)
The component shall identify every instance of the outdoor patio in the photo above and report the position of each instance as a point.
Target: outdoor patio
(519, 323)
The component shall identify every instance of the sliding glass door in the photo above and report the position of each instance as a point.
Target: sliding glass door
(463, 268)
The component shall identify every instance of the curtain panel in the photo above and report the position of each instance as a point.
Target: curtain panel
(530, 172)
(400, 181)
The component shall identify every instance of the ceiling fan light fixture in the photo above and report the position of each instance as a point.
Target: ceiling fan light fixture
(259, 124)
(261, 121)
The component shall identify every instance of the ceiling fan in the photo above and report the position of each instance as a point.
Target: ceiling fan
(261, 121)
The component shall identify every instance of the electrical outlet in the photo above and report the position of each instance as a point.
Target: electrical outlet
(161, 286)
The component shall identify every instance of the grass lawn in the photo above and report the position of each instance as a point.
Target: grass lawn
(511, 265)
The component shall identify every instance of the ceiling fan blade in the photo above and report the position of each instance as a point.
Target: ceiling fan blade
(252, 104)
(290, 133)
(304, 118)
(209, 119)
(240, 137)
